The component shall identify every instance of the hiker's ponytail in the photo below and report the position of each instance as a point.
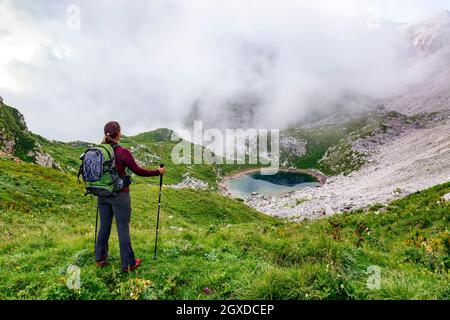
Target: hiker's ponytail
(112, 131)
(107, 139)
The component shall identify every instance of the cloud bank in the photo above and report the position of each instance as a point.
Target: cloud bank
(152, 64)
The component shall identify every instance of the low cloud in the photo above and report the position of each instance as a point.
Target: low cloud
(152, 64)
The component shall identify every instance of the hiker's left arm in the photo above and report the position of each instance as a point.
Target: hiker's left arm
(135, 168)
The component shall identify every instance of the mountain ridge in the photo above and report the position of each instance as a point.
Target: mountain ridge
(429, 65)
(149, 148)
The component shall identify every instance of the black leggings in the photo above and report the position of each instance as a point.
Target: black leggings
(119, 207)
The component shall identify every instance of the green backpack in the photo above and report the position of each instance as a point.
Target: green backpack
(98, 169)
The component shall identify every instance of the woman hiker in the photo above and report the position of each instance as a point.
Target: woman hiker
(119, 206)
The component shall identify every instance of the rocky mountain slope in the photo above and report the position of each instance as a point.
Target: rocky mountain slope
(429, 52)
(393, 153)
(16, 141)
(415, 160)
(429, 36)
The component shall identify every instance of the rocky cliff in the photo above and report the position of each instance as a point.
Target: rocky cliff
(17, 141)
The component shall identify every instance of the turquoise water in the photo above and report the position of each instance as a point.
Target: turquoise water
(279, 183)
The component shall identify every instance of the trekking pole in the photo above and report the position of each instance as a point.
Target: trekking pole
(159, 208)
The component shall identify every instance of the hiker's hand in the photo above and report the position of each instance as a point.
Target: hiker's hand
(161, 170)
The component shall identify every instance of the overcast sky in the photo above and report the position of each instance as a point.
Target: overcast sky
(145, 63)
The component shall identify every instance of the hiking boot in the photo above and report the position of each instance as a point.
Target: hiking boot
(102, 263)
(131, 268)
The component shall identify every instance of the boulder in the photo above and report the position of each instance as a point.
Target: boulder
(191, 183)
(446, 198)
(45, 160)
(329, 211)
(9, 146)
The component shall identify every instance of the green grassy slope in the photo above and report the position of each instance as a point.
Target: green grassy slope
(67, 155)
(210, 241)
(155, 147)
(150, 149)
(320, 139)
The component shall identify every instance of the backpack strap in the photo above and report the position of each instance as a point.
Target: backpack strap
(114, 145)
(109, 152)
(113, 159)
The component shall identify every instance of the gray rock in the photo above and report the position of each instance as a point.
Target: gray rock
(191, 183)
(446, 198)
(9, 146)
(46, 160)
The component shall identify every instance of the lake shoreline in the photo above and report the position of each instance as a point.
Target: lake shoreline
(321, 178)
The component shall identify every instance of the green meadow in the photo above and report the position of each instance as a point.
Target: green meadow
(207, 240)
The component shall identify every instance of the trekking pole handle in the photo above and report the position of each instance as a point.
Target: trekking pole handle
(161, 165)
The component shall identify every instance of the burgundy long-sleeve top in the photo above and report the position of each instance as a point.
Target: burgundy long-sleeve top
(124, 159)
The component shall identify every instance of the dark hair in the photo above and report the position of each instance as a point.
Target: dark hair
(112, 130)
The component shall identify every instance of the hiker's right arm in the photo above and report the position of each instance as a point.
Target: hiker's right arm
(135, 168)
